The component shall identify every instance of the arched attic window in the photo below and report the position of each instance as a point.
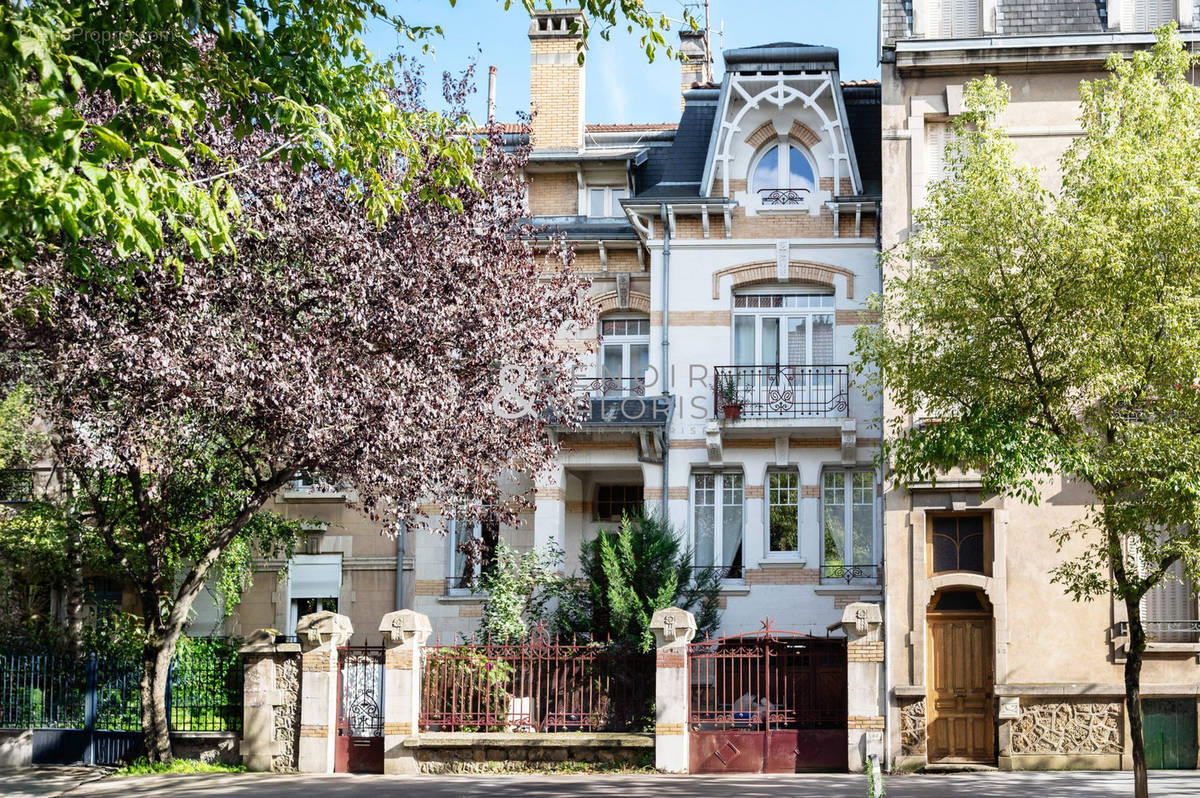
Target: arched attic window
(783, 174)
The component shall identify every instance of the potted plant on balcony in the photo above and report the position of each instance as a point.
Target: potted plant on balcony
(731, 403)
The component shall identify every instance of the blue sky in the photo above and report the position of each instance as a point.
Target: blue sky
(621, 85)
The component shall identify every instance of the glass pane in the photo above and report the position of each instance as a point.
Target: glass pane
(800, 171)
(731, 524)
(743, 340)
(618, 194)
(863, 519)
(833, 502)
(797, 341)
(613, 360)
(766, 174)
(704, 519)
(784, 497)
(770, 341)
(639, 357)
(596, 203)
(970, 544)
(822, 338)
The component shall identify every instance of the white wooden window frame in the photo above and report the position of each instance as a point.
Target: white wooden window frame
(454, 556)
(769, 501)
(625, 343)
(738, 484)
(612, 197)
(782, 314)
(848, 489)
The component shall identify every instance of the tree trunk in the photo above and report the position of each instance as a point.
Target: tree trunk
(1133, 694)
(74, 589)
(156, 674)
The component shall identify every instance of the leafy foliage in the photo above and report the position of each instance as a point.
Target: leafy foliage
(630, 573)
(518, 588)
(1042, 333)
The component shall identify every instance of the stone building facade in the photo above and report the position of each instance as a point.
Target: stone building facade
(1039, 679)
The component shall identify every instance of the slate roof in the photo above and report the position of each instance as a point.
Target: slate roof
(863, 118)
(1029, 17)
(675, 172)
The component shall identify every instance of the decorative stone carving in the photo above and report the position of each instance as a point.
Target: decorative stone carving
(912, 728)
(1067, 727)
(324, 629)
(287, 714)
(673, 626)
(406, 626)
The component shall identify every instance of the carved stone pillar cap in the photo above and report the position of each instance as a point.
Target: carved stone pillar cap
(673, 626)
(861, 617)
(403, 626)
(261, 641)
(324, 628)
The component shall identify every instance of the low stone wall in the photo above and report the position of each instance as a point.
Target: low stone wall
(214, 748)
(466, 753)
(16, 748)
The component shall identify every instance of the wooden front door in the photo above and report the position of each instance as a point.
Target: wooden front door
(960, 682)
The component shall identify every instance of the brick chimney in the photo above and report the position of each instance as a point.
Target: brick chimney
(696, 60)
(556, 80)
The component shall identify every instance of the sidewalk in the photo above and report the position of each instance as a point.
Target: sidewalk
(1178, 784)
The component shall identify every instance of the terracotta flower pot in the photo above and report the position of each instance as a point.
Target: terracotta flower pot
(733, 412)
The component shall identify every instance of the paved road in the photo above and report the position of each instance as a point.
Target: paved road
(974, 785)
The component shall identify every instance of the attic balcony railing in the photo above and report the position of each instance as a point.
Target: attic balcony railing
(610, 387)
(783, 197)
(782, 391)
(850, 573)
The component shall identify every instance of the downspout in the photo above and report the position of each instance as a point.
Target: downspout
(666, 349)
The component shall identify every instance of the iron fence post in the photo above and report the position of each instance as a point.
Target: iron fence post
(90, 709)
(170, 679)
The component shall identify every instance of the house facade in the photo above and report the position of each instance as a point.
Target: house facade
(988, 662)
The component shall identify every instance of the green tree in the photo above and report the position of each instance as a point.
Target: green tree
(518, 588)
(106, 108)
(630, 572)
(1058, 332)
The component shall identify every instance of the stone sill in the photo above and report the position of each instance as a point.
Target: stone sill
(463, 598)
(909, 691)
(529, 740)
(780, 562)
(207, 735)
(1172, 648)
(315, 496)
(834, 590)
(731, 588)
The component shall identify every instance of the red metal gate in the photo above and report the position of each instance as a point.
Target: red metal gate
(769, 702)
(359, 747)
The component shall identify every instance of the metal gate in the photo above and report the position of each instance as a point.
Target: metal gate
(768, 702)
(359, 746)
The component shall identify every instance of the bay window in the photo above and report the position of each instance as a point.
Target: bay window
(717, 521)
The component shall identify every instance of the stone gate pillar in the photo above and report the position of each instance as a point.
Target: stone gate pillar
(673, 629)
(269, 702)
(404, 632)
(865, 694)
(321, 634)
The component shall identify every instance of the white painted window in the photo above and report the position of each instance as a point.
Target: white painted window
(1146, 15)
(953, 19)
(624, 355)
(783, 166)
(717, 521)
(314, 584)
(848, 515)
(1169, 609)
(605, 201)
(783, 512)
(472, 549)
(937, 136)
(783, 329)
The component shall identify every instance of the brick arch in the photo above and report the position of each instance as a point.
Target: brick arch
(803, 134)
(762, 134)
(799, 271)
(608, 303)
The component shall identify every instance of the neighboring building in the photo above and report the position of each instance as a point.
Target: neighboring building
(989, 662)
(767, 192)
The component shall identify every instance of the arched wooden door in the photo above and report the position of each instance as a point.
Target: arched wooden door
(960, 678)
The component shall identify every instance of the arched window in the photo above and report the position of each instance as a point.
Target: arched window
(783, 166)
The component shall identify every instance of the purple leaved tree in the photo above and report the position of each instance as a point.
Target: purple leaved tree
(179, 403)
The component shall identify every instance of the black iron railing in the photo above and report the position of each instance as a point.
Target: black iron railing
(610, 387)
(781, 391)
(621, 400)
(857, 572)
(719, 571)
(783, 197)
(1169, 631)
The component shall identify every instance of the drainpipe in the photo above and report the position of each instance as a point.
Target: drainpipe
(666, 349)
(400, 531)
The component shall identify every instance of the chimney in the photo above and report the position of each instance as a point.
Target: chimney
(491, 106)
(556, 80)
(695, 59)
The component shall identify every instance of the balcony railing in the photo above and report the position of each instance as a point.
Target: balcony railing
(781, 391)
(783, 197)
(850, 574)
(621, 400)
(1176, 631)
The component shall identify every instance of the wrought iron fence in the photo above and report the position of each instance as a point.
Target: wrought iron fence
(783, 197)
(537, 685)
(849, 573)
(781, 391)
(58, 691)
(603, 387)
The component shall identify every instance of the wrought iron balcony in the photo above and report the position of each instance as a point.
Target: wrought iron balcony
(621, 400)
(850, 574)
(719, 571)
(1173, 631)
(783, 197)
(781, 391)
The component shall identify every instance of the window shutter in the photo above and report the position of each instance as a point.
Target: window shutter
(933, 16)
(936, 136)
(971, 18)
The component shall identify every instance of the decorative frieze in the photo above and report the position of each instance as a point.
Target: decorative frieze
(913, 732)
(1067, 727)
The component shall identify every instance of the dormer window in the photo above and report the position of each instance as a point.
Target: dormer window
(783, 175)
(605, 201)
